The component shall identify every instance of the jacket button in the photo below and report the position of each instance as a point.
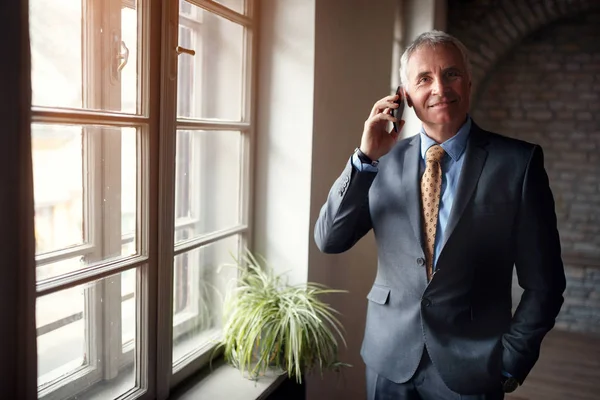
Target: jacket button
(426, 302)
(421, 261)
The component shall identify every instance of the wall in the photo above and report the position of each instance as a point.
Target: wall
(18, 369)
(491, 28)
(546, 91)
(352, 71)
(284, 134)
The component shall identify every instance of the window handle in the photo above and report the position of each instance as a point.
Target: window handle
(124, 57)
(181, 50)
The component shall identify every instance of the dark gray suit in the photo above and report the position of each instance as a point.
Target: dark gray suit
(503, 216)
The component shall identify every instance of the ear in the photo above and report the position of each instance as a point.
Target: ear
(408, 99)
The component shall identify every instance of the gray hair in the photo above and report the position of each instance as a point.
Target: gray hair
(432, 38)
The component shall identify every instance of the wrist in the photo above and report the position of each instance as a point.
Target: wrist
(365, 158)
(369, 153)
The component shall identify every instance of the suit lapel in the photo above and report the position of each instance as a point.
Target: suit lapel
(410, 183)
(475, 156)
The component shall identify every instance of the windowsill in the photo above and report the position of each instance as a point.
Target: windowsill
(226, 382)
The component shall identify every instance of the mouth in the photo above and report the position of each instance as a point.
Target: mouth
(443, 104)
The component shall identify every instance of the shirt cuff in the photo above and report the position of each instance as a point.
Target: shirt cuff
(362, 167)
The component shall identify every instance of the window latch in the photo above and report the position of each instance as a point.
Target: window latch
(123, 57)
(183, 50)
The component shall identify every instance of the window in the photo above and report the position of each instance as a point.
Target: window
(211, 174)
(116, 243)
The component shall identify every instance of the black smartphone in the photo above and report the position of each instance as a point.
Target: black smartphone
(398, 112)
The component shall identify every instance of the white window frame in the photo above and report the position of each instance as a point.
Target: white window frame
(155, 374)
(199, 358)
(106, 354)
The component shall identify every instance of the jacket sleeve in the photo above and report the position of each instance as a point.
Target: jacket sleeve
(345, 218)
(539, 269)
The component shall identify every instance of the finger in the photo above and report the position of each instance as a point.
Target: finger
(386, 102)
(381, 117)
(383, 107)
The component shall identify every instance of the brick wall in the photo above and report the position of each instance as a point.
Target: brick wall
(491, 28)
(547, 91)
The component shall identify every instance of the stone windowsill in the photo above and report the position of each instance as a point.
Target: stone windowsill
(227, 382)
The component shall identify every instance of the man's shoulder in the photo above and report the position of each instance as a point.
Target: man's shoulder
(404, 144)
(401, 146)
(503, 144)
(407, 141)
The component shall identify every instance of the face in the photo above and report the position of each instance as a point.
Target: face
(438, 85)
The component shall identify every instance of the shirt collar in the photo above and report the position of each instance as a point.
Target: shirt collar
(455, 146)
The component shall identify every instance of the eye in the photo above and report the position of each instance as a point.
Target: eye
(453, 74)
(423, 79)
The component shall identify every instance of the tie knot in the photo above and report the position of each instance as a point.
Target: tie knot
(434, 153)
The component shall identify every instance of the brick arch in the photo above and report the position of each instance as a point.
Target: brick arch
(505, 23)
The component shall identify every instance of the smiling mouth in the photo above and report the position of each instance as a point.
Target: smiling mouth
(442, 104)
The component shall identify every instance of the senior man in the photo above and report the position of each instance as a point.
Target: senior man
(454, 209)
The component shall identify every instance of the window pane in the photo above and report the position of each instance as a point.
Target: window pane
(235, 5)
(79, 341)
(128, 300)
(129, 72)
(209, 83)
(61, 343)
(73, 65)
(207, 184)
(58, 186)
(129, 172)
(199, 288)
(56, 52)
(85, 184)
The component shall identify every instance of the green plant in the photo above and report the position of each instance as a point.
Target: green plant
(269, 324)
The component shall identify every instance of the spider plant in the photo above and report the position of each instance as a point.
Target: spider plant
(270, 325)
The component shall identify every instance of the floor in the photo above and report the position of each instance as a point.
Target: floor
(568, 369)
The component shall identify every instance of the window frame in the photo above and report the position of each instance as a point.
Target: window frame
(97, 175)
(246, 126)
(106, 354)
(156, 120)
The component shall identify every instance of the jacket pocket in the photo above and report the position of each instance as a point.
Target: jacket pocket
(379, 294)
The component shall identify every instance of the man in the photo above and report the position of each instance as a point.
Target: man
(453, 210)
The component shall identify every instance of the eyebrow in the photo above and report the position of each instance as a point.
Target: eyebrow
(422, 74)
(450, 68)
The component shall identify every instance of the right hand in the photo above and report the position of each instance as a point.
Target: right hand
(376, 141)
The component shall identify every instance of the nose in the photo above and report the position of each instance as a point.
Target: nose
(439, 86)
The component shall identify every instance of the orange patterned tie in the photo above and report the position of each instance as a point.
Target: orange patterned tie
(431, 188)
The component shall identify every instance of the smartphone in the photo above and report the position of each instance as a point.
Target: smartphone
(398, 112)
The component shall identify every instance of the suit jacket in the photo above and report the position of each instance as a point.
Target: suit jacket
(503, 217)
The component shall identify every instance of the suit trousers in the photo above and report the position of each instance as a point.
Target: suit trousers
(426, 384)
